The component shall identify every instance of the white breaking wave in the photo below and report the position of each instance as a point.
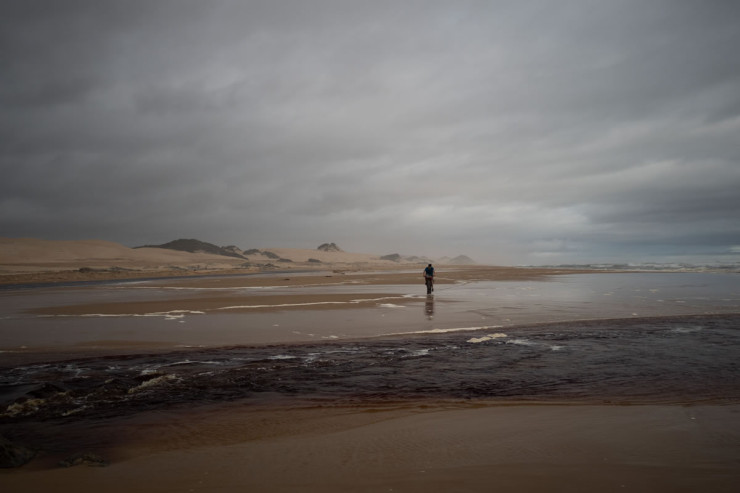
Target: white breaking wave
(489, 337)
(238, 307)
(686, 330)
(314, 303)
(153, 383)
(419, 352)
(521, 342)
(192, 362)
(170, 315)
(445, 331)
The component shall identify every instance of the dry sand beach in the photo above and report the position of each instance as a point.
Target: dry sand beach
(344, 376)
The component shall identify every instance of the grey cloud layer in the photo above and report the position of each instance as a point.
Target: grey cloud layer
(511, 131)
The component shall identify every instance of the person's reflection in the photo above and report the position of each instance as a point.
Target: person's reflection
(429, 306)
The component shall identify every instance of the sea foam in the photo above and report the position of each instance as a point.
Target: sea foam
(489, 337)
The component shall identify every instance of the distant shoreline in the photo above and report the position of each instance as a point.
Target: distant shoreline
(94, 276)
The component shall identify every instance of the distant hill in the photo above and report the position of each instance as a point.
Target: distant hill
(197, 246)
(418, 260)
(413, 259)
(461, 260)
(393, 257)
(329, 247)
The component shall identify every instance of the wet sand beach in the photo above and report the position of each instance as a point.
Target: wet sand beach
(505, 379)
(414, 447)
(236, 309)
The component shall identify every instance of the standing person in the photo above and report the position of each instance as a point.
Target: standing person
(429, 278)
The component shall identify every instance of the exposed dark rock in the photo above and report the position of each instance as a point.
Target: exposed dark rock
(233, 249)
(329, 247)
(13, 455)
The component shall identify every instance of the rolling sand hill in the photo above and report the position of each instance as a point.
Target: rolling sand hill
(35, 260)
(18, 255)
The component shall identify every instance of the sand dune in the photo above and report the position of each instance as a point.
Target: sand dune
(36, 260)
(18, 255)
(31, 250)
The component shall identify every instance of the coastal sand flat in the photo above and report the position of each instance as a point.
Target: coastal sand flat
(195, 300)
(232, 304)
(282, 307)
(430, 446)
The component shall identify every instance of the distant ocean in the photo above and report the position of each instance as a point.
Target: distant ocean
(653, 267)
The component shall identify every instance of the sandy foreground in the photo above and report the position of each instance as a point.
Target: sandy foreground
(420, 446)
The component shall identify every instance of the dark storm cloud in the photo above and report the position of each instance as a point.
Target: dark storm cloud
(511, 131)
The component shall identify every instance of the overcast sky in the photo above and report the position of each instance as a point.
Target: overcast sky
(516, 132)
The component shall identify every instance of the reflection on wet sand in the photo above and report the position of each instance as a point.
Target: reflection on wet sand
(219, 312)
(429, 306)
